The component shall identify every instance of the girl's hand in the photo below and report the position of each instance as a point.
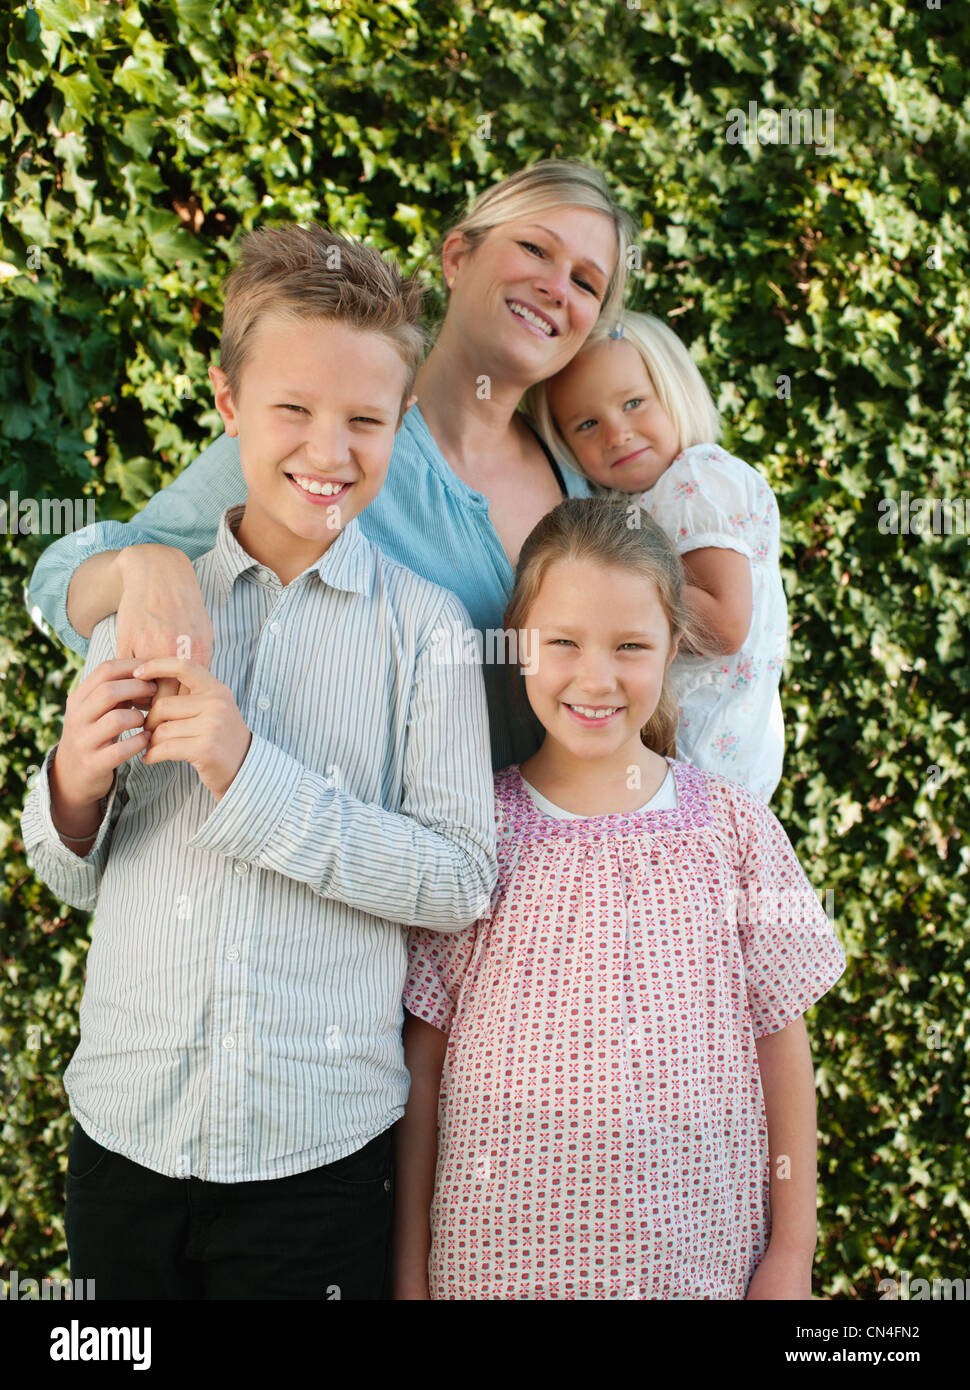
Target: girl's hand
(203, 727)
(782, 1274)
(97, 713)
(161, 612)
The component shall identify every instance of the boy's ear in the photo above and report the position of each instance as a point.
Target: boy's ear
(224, 403)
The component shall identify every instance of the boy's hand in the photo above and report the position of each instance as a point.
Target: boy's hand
(97, 713)
(203, 727)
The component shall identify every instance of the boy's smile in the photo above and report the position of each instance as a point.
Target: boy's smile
(316, 409)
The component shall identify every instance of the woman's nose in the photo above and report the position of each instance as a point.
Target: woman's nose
(555, 281)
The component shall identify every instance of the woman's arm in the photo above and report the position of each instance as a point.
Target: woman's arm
(416, 1157)
(184, 515)
(719, 590)
(788, 1083)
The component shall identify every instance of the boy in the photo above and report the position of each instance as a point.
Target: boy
(325, 784)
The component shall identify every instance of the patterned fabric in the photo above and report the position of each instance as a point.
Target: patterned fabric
(424, 517)
(602, 1129)
(731, 720)
(241, 1018)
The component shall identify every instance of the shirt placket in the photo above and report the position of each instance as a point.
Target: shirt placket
(233, 1031)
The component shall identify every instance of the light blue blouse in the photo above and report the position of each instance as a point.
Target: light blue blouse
(424, 517)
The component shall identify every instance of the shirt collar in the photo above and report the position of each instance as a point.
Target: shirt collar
(347, 564)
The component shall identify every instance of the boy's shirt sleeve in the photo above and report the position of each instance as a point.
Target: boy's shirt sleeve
(699, 501)
(431, 863)
(185, 515)
(791, 953)
(69, 877)
(437, 965)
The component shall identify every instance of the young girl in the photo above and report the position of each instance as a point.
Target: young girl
(631, 411)
(612, 1092)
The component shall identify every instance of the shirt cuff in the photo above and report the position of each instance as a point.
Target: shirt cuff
(718, 540)
(37, 823)
(250, 813)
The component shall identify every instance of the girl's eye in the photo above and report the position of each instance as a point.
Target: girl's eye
(561, 641)
(584, 424)
(634, 646)
(634, 401)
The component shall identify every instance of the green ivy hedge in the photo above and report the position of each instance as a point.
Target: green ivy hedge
(822, 294)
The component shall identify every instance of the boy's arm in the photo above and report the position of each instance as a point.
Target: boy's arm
(72, 873)
(431, 864)
(184, 515)
(788, 1083)
(416, 1158)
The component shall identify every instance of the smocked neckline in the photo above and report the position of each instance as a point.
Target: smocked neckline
(692, 809)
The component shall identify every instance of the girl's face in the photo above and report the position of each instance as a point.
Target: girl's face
(601, 649)
(532, 290)
(608, 413)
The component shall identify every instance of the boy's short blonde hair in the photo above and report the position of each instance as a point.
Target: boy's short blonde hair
(314, 273)
(681, 390)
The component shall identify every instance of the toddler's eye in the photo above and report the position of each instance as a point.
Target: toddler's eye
(581, 427)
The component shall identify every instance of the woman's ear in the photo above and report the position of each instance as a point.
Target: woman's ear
(224, 402)
(455, 247)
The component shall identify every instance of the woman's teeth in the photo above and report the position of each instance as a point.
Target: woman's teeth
(530, 317)
(589, 713)
(316, 487)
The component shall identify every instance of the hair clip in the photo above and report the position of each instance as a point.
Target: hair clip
(616, 331)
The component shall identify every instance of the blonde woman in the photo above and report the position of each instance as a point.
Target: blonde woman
(532, 267)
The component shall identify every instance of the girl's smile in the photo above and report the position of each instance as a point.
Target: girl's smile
(607, 410)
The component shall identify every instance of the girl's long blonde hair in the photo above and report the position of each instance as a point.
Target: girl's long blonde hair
(681, 390)
(552, 183)
(626, 537)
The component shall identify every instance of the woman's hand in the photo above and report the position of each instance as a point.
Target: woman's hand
(161, 612)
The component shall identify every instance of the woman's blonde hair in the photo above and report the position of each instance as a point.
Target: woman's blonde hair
(627, 537)
(681, 390)
(552, 183)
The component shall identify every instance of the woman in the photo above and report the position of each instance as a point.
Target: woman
(529, 270)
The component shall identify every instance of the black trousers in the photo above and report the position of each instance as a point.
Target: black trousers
(324, 1234)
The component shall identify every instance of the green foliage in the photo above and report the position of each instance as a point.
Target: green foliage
(141, 139)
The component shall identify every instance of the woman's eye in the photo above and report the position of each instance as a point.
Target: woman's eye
(531, 246)
(584, 284)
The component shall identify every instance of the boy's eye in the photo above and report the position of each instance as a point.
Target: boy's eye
(561, 641)
(301, 410)
(367, 420)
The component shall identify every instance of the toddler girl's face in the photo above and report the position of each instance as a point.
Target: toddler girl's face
(608, 413)
(600, 645)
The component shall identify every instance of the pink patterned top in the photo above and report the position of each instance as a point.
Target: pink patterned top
(601, 1124)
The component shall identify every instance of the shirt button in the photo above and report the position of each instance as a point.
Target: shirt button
(274, 628)
(229, 1042)
(241, 867)
(232, 953)
(262, 702)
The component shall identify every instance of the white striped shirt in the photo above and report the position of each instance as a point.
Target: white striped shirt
(242, 1012)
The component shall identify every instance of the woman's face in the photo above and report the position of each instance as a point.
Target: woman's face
(532, 290)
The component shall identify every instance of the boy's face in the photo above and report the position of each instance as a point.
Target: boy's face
(315, 411)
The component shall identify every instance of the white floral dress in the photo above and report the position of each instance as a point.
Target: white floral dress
(731, 719)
